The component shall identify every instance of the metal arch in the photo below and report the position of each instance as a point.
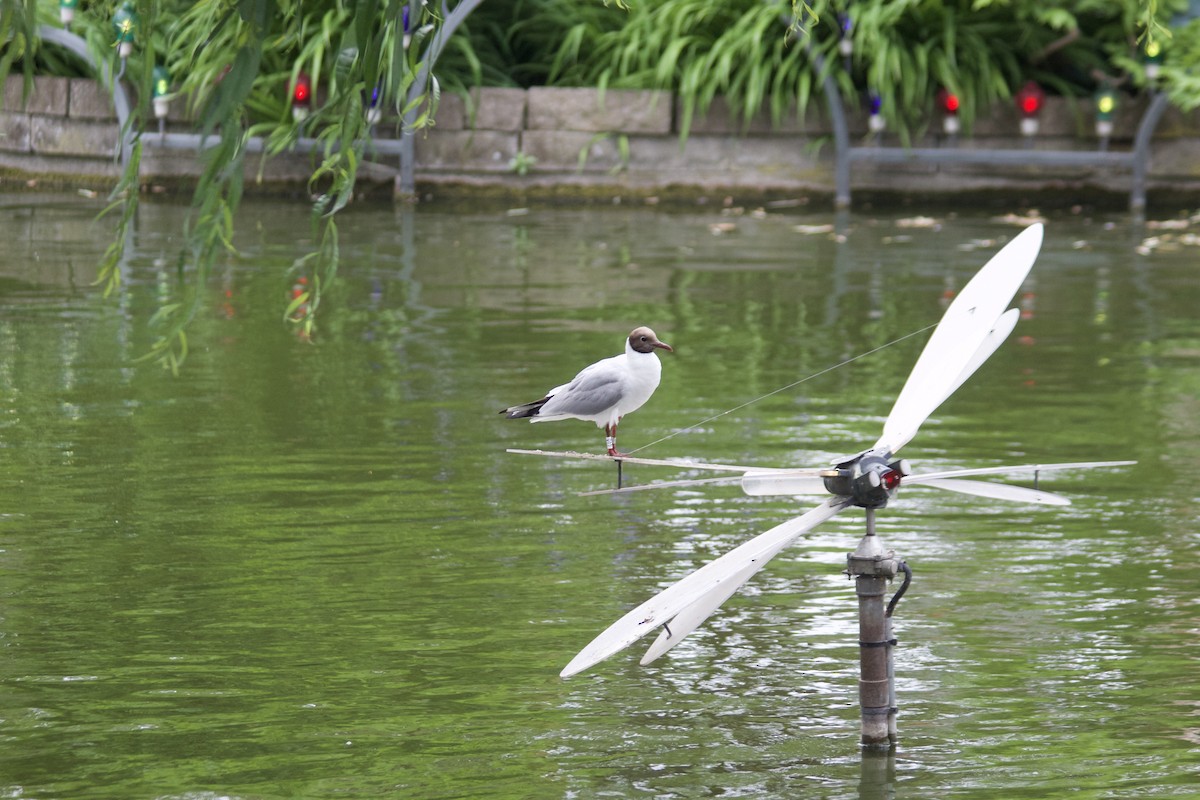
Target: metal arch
(433, 51)
(1141, 149)
(1137, 160)
(120, 98)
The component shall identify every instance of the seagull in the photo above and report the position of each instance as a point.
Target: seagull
(605, 391)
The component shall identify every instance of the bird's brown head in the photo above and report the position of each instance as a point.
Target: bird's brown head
(643, 340)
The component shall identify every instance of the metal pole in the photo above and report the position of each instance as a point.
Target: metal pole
(841, 132)
(451, 19)
(1141, 150)
(872, 568)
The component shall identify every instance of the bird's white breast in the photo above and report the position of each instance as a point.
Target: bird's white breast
(645, 372)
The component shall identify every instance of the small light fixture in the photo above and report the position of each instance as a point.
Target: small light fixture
(875, 121)
(948, 102)
(846, 42)
(66, 11)
(1030, 100)
(1152, 58)
(1106, 106)
(301, 97)
(161, 90)
(374, 112)
(125, 25)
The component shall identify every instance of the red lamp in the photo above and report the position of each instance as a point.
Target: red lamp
(1030, 100)
(301, 97)
(948, 102)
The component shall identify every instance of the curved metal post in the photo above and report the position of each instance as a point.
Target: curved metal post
(433, 51)
(841, 131)
(1141, 150)
(841, 138)
(104, 74)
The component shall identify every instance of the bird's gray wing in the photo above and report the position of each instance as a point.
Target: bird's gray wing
(595, 389)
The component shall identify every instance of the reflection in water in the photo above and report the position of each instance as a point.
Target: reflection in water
(878, 774)
(310, 569)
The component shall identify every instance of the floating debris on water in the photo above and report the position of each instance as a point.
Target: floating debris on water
(977, 244)
(813, 230)
(1028, 218)
(1168, 224)
(1167, 243)
(918, 222)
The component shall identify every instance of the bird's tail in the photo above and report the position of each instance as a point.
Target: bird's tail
(526, 410)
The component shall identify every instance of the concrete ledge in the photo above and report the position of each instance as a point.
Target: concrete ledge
(571, 151)
(720, 118)
(491, 109)
(588, 110)
(14, 132)
(485, 151)
(49, 136)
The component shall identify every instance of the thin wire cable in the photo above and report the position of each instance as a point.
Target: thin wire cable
(792, 385)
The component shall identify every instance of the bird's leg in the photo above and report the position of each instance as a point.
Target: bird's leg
(610, 440)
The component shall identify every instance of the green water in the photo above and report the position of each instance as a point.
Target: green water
(311, 570)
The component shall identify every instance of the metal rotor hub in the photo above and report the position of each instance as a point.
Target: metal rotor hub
(869, 479)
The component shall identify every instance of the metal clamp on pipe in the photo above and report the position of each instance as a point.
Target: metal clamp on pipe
(870, 559)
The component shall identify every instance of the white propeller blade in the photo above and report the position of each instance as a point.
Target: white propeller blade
(1008, 470)
(991, 343)
(998, 491)
(963, 333)
(694, 615)
(764, 484)
(715, 581)
(786, 482)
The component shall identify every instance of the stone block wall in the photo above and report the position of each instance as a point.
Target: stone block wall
(66, 125)
(564, 141)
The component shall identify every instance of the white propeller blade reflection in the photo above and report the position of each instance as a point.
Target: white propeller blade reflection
(949, 357)
(704, 585)
(642, 487)
(653, 462)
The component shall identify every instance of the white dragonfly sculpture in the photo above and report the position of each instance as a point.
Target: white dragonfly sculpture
(974, 325)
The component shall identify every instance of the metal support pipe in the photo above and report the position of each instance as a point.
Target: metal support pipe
(985, 157)
(256, 144)
(450, 22)
(1141, 150)
(874, 692)
(872, 568)
(841, 130)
